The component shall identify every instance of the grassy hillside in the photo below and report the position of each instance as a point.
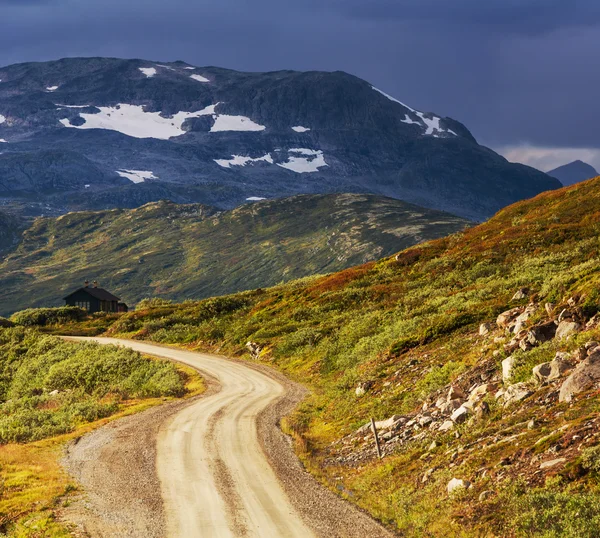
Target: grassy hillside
(11, 228)
(191, 251)
(401, 338)
(51, 391)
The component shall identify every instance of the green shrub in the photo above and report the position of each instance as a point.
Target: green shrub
(41, 317)
(5, 323)
(154, 302)
(590, 459)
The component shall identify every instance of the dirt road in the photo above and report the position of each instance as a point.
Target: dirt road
(224, 468)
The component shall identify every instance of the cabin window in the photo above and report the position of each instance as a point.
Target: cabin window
(83, 304)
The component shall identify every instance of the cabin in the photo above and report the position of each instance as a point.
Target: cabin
(95, 299)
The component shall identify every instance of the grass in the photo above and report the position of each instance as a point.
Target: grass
(180, 251)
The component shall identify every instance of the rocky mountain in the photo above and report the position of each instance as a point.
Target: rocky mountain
(97, 133)
(194, 251)
(574, 172)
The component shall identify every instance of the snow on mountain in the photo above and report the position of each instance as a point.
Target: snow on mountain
(304, 161)
(240, 160)
(148, 71)
(133, 120)
(236, 137)
(136, 176)
(199, 78)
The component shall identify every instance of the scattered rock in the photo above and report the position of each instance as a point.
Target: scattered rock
(508, 366)
(460, 415)
(532, 424)
(521, 294)
(507, 318)
(425, 421)
(550, 308)
(485, 495)
(457, 484)
(455, 393)
(446, 426)
(451, 406)
(485, 329)
(363, 387)
(541, 333)
(549, 371)
(516, 393)
(523, 318)
(552, 463)
(482, 410)
(567, 328)
(255, 350)
(54, 393)
(585, 376)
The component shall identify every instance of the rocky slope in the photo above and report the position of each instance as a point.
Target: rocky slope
(193, 251)
(477, 354)
(95, 133)
(574, 172)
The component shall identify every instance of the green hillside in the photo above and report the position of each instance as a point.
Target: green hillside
(192, 251)
(418, 339)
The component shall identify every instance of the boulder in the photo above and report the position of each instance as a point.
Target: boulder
(550, 308)
(567, 328)
(585, 376)
(446, 426)
(507, 318)
(451, 406)
(549, 371)
(520, 294)
(516, 393)
(391, 423)
(425, 421)
(480, 392)
(552, 463)
(508, 366)
(255, 350)
(485, 329)
(460, 415)
(363, 387)
(541, 333)
(455, 393)
(457, 484)
(482, 410)
(522, 318)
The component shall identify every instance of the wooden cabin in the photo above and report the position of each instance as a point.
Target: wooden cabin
(95, 299)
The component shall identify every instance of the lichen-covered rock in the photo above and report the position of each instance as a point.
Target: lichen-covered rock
(507, 318)
(552, 370)
(457, 484)
(516, 393)
(541, 333)
(585, 376)
(485, 329)
(567, 328)
(508, 366)
(460, 415)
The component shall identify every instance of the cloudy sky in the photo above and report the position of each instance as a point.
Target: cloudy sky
(521, 74)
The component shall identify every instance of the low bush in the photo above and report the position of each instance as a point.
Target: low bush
(42, 317)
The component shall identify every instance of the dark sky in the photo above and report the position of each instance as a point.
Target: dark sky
(521, 74)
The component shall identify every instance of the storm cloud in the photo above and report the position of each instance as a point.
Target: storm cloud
(521, 74)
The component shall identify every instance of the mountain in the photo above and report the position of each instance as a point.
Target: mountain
(11, 228)
(477, 355)
(98, 133)
(193, 251)
(574, 172)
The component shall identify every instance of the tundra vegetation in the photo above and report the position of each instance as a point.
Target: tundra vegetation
(419, 341)
(52, 391)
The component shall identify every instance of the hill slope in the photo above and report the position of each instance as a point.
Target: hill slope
(192, 251)
(96, 133)
(469, 393)
(574, 172)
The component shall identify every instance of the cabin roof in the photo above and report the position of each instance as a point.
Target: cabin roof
(98, 293)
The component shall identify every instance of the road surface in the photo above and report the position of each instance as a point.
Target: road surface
(215, 479)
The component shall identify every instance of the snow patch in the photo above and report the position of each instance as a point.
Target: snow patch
(255, 199)
(302, 160)
(148, 71)
(431, 125)
(235, 123)
(2, 119)
(73, 106)
(192, 68)
(52, 88)
(199, 78)
(87, 186)
(300, 129)
(137, 176)
(3, 141)
(240, 160)
(134, 121)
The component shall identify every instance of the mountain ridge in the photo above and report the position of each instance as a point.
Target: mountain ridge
(76, 130)
(574, 172)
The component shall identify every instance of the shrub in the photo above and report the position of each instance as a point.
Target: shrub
(41, 317)
(4, 323)
(590, 459)
(154, 302)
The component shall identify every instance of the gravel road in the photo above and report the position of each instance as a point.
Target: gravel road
(217, 466)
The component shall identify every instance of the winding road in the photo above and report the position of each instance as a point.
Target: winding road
(217, 477)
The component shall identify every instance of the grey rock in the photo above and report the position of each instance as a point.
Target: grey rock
(584, 377)
(508, 366)
(486, 328)
(567, 328)
(457, 484)
(550, 371)
(541, 333)
(460, 415)
(515, 393)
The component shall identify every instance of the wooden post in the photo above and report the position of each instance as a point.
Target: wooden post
(374, 428)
